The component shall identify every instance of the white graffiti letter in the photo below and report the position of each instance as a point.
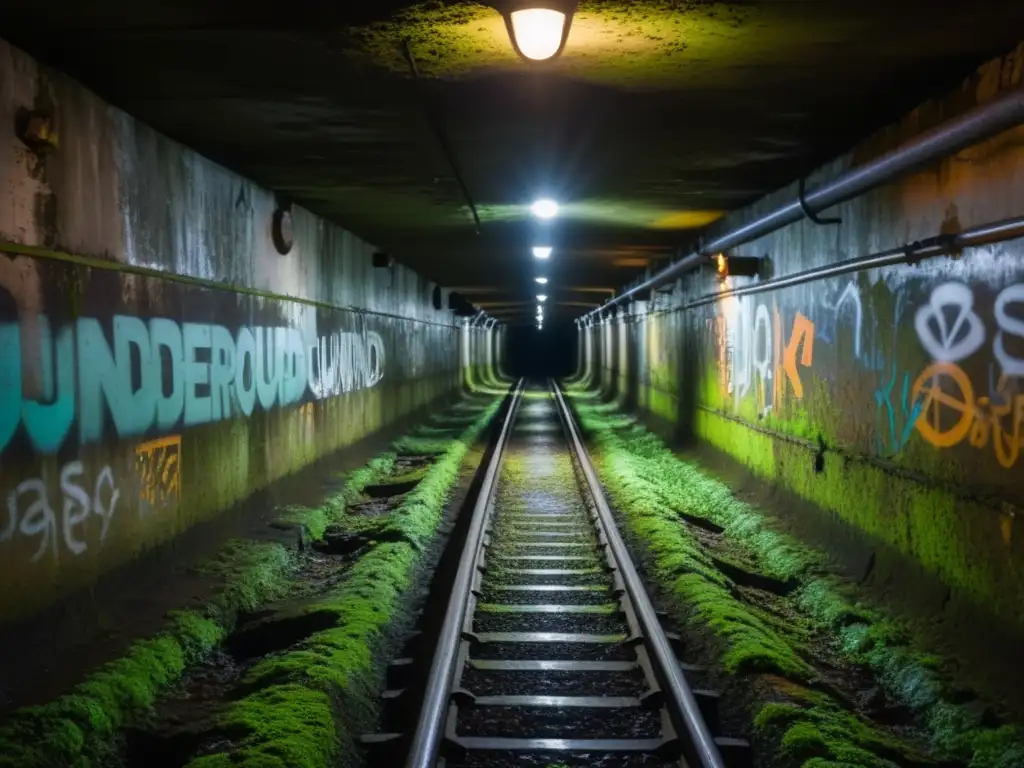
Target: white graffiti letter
(1014, 294)
(762, 342)
(73, 517)
(956, 340)
(851, 297)
(38, 519)
(376, 346)
(106, 512)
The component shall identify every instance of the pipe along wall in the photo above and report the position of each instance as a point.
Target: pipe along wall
(160, 358)
(886, 404)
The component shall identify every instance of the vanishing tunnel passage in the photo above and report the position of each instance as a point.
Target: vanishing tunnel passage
(511, 382)
(550, 639)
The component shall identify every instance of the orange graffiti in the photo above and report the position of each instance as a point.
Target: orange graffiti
(803, 330)
(950, 413)
(158, 468)
(932, 423)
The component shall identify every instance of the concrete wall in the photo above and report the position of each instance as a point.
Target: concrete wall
(892, 399)
(160, 360)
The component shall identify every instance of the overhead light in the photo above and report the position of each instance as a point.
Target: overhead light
(542, 251)
(545, 208)
(541, 280)
(541, 297)
(538, 28)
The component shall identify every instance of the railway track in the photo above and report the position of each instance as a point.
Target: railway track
(550, 651)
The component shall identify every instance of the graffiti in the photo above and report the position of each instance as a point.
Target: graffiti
(31, 515)
(751, 356)
(900, 416)
(832, 310)
(158, 471)
(750, 349)
(950, 413)
(849, 301)
(803, 331)
(950, 330)
(947, 325)
(1011, 364)
(157, 374)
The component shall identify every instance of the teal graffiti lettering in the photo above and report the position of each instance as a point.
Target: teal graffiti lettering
(222, 372)
(10, 381)
(245, 371)
(135, 406)
(49, 422)
(268, 368)
(197, 373)
(165, 337)
(293, 365)
(898, 437)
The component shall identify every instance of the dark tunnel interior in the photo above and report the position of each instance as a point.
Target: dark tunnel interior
(550, 352)
(548, 383)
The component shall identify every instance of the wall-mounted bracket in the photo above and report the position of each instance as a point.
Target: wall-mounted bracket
(802, 199)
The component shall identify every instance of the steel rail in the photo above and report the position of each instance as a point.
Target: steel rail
(679, 696)
(426, 741)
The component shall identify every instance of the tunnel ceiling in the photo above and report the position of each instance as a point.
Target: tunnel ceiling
(658, 117)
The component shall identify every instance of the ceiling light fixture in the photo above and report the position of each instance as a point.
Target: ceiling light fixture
(538, 29)
(544, 208)
(541, 297)
(541, 280)
(542, 251)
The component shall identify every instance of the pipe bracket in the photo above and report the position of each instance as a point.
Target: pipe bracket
(802, 199)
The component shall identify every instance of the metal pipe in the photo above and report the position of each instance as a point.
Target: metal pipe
(441, 136)
(1006, 229)
(1001, 114)
(426, 741)
(677, 690)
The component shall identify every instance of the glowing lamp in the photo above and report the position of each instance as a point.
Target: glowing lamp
(541, 297)
(538, 29)
(541, 280)
(542, 251)
(544, 209)
(736, 266)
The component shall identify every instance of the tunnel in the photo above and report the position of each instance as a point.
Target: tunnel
(511, 383)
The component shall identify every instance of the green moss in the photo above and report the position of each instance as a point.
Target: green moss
(651, 488)
(284, 726)
(310, 702)
(83, 725)
(812, 727)
(82, 728)
(419, 446)
(649, 479)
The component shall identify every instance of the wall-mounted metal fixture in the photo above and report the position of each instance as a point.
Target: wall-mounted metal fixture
(538, 29)
(383, 260)
(38, 130)
(282, 231)
(1002, 113)
(458, 304)
(736, 266)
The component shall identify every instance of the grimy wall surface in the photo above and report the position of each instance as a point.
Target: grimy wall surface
(893, 399)
(160, 359)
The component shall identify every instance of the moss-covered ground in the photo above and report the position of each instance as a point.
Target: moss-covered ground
(817, 661)
(305, 705)
(298, 703)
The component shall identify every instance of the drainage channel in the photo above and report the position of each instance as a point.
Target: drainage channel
(551, 653)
